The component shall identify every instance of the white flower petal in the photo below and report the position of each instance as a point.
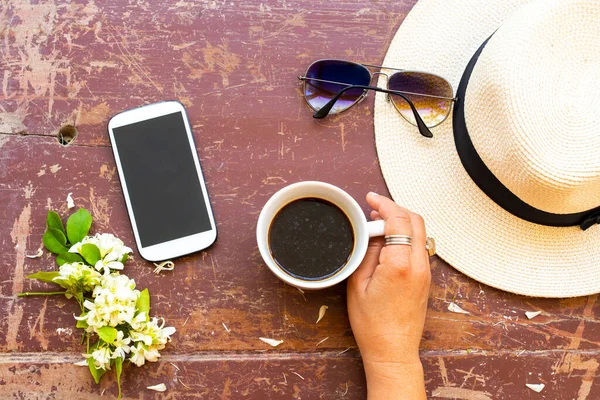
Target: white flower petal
(89, 305)
(536, 387)
(152, 354)
(114, 265)
(137, 358)
(141, 317)
(161, 387)
(272, 342)
(168, 331)
(322, 311)
(532, 314)
(112, 256)
(70, 202)
(82, 363)
(100, 266)
(456, 309)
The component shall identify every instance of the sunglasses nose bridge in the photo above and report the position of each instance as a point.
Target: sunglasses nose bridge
(387, 79)
(380, 73)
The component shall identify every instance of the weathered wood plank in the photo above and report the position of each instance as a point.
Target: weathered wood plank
(566, 375)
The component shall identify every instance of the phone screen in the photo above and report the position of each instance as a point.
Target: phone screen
(161, 178)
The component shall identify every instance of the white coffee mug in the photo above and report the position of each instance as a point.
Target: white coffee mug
(363, 230)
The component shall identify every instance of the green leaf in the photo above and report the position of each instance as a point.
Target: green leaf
(91, 253)
(96, 372)
(82, 324)
(119, 369)
(54, 221)
(108, 334)
(78, 225)
(78, 297)
(44, 276)
(66, 257)
(55, 241)
(143, 303)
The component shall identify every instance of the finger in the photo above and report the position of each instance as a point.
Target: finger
(361, 277)
(382, 204)
(397, 222)
(419, 237)
(375, 216)
(418, 232)
(373, 200)
(397, 255)
(397, 219)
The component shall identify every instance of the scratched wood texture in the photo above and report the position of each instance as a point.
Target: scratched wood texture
(234, 65)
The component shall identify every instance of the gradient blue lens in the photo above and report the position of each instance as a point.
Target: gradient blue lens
(430, 94)
(318, 93)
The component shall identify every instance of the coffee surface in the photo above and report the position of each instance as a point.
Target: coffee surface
(311, 238)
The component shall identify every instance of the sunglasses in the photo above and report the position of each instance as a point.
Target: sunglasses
(421, 98)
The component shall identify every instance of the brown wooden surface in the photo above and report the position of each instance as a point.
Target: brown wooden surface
(234, 65)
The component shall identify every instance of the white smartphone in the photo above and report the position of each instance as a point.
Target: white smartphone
(162, 181)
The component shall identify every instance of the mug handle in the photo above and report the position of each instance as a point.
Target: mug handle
(376, 228)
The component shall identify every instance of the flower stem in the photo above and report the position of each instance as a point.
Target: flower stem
(39, 293)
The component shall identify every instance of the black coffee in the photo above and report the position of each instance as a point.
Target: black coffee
(311, 238)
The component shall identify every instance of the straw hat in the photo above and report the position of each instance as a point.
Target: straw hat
(527, 127)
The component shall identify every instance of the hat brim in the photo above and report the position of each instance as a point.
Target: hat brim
(472, 233)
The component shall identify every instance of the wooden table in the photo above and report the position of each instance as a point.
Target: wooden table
(234, 66)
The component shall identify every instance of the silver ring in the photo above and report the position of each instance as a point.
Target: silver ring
(393, 242)
(407, 240)
(398, 239)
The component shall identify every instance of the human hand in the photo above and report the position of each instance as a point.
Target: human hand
(387, 303)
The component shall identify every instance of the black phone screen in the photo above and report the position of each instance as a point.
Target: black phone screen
(161, 178)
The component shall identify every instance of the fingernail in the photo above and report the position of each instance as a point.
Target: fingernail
(373, 193)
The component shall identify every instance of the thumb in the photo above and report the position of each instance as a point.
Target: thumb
(361, 277)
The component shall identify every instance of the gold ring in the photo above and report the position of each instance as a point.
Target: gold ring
(430, 246)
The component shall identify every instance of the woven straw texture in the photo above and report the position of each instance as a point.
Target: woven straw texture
(549, 154)
(540, 79)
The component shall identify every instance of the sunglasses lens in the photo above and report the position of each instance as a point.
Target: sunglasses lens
(319, 93)
(433, 110)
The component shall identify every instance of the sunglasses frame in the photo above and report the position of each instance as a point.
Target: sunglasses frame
(419, 122)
